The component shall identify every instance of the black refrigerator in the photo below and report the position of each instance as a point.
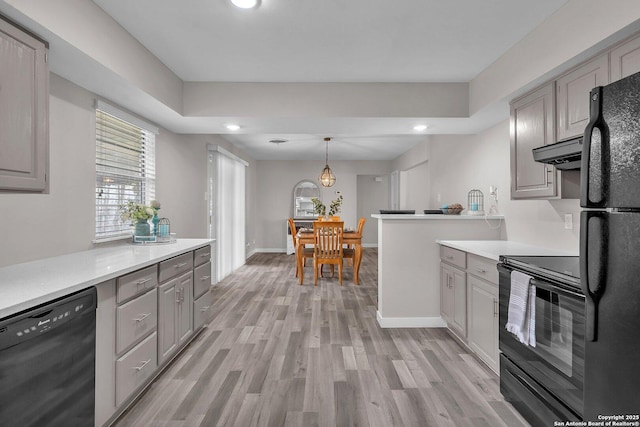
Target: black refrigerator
(610, 250)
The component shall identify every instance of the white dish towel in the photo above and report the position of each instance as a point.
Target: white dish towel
(521, 320)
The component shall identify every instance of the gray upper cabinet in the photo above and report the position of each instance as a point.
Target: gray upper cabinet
(531, 126)
(572, 96)
(24, 115)
(625, 59)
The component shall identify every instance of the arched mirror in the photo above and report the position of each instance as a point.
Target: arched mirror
(302, 194)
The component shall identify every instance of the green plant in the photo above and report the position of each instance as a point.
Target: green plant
(318, 208)
(336, 204)
(135, 211)
(334, 207)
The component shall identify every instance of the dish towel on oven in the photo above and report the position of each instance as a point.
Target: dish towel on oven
(522, 309)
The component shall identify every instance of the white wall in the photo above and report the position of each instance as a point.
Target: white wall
(274, 194)
(460, 163)
(34, 226)
(415, 188)
(373, 195)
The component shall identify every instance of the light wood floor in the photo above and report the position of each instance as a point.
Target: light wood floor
(280, 354)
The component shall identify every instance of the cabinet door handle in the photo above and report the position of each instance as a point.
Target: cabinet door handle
(495, 308)
(448, 256)
(203, 309)
(205, 255)
(141, 367)
(182, 264)
(481, 270)
(205, 277)
(141, 318)
(178, 296)
(143, 281)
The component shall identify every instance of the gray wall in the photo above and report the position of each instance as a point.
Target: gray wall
(373, 195)
(34, 226)
(460, 163)
(274, 194)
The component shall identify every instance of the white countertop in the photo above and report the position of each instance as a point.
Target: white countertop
(436, 217)
(26, 285)
(492, 249)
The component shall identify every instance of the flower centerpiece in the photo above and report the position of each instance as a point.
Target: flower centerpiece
(139, 215)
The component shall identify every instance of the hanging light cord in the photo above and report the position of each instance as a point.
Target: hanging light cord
(326, 156)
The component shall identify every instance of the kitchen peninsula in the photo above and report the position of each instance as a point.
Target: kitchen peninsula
(409, 263)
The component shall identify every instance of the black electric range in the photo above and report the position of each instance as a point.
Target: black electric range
(564, 270)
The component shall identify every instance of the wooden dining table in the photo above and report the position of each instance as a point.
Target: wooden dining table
(305, 237)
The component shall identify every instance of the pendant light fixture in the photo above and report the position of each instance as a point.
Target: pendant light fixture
(327, 178)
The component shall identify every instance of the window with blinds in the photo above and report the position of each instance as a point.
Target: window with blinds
(125, 170)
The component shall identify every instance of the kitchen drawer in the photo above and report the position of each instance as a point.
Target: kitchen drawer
(135, 319)
(202, 255)
(134, 368)
(453, 256)
(201, 279)
(484, 268)
(137, 283)
(175, 266)
(202, 310)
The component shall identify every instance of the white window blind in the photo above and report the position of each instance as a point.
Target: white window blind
(125, 168)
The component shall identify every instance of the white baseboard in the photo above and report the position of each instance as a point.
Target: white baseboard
(250, 254)
(410, 322)
(271, 250)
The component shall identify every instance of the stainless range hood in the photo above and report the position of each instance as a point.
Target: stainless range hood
(564, 155)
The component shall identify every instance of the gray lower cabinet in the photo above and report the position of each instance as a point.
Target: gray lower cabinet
(483, 320)
(454, 298)
(453, 290)
(469, 301)
(24, 110)
(144, 319)
(175, 321)
(202, 297)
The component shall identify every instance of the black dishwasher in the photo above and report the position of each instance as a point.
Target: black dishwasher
(47, 363)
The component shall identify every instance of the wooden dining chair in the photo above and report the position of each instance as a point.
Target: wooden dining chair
(327, 246)
(306, 252)
(350, 252)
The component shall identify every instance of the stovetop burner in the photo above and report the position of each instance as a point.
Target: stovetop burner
(565, 269)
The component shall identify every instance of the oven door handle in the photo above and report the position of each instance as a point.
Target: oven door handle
(594, 235)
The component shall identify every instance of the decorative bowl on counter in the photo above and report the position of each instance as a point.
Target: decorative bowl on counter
(453, 209)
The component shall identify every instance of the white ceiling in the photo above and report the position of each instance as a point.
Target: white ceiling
(332, 41)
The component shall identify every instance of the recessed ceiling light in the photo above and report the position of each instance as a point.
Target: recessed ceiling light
(232, 126)
(245, 4)
(277, 141)
(420, 128)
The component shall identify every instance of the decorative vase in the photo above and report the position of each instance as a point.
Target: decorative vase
(155, 220)
(141, 228)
